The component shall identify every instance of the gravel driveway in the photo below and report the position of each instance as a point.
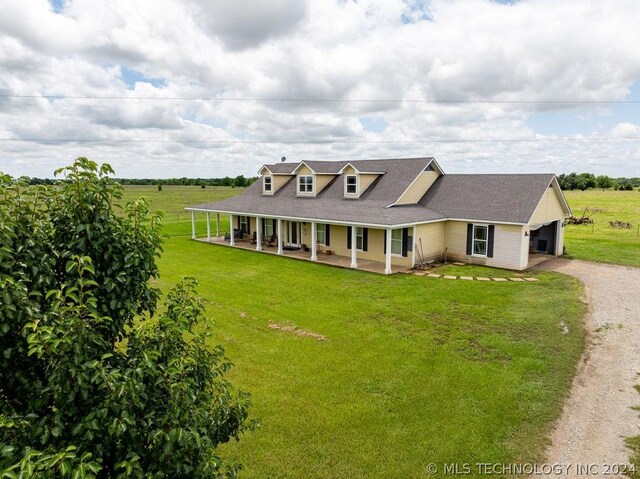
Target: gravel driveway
(598, 415)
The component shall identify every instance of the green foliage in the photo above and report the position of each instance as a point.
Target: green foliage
(604, 182)
(575, 181)
(585, 181)
(85, 391)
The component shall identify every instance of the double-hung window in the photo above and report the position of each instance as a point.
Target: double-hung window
(244, 224)
(359, 239)
(268, 227)
(267, 184)
(321, 233)
(352, 185)
(305, 184)
(396, 242)
(480, 239)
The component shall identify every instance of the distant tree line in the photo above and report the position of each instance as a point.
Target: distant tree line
(585, 181)
(239, 181)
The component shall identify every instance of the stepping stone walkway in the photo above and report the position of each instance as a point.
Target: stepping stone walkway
(477, 278)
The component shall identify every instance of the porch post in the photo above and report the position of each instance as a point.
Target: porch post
(193, 224)
(279, 236)
(387, 255)
(232, 241)
(258, 233)
(354, 248)
(217, 224)
(413, 246)
(208, 226)
(314, 243)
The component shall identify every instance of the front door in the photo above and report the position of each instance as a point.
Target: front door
(293, 233)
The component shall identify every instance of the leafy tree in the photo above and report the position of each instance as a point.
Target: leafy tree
(604, 182)
(240, 181)
(88, 389)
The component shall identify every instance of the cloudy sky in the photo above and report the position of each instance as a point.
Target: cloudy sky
(205, 88)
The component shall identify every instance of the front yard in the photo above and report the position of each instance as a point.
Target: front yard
(384, 375)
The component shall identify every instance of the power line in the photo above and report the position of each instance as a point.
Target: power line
(319, 141)
(321, 100)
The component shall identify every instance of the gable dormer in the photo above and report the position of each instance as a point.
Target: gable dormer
(271, 181)
(419, 186)
(357, 182)
(310, 182)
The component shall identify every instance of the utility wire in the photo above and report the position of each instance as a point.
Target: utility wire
(320, 141)
(322, 100)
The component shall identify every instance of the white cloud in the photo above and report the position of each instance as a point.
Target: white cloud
(284, 49)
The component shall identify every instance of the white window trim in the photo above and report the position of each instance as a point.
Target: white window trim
(361, 228)
(473, 240)
(313, 185)
(324, 225)
(268, 222)
(244, 220)
(357, 193)
(264, 184)
(401, 245)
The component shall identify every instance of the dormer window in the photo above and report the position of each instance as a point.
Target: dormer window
(351, 187)
(305, 184)
(267, 184)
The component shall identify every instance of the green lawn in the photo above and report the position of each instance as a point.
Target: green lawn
(600, 242)
(413, 371)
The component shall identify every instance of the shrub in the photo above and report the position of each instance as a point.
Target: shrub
(87, 387)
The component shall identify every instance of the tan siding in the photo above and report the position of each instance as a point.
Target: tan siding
(549, 209)
(432, 236)
(365, 182)
(322, 181)
(375, 246)
(507, 248)
(418, 188)
(279, 181)
(304, 170)
(349, 170)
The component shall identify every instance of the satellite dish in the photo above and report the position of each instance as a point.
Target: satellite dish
(283, 159)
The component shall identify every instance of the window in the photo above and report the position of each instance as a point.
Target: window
(267, 184)
(359, 239)
(244, 227)
(305, 184)
(268, 227)
(396, 242)
(352, 185)
(480, 239)
(321, 233)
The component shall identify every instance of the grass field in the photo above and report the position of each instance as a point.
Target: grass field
(411, 372)
(600, 242)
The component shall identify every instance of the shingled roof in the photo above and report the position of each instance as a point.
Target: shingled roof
(497, 198)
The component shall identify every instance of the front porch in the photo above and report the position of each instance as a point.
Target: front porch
(299, 254)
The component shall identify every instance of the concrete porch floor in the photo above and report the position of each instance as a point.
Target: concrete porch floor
(331, 260)
(536, 258)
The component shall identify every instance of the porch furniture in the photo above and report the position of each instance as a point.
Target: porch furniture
(237, 234)
(269, 240)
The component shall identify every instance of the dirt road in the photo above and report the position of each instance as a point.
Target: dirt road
(598, 415)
